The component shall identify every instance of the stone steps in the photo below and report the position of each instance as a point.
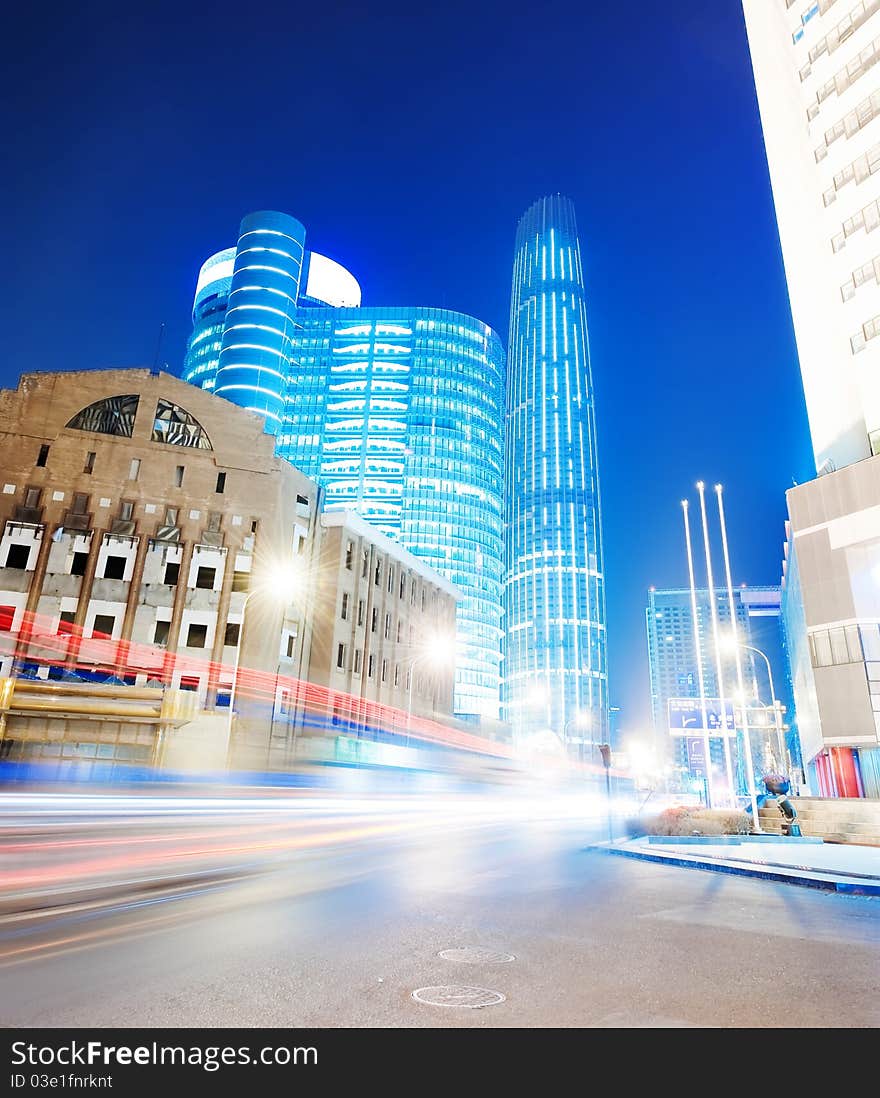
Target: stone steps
(836, 820)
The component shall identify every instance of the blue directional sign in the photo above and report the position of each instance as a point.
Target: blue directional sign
(686, 717)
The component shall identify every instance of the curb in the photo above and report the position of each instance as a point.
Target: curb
(848, 887)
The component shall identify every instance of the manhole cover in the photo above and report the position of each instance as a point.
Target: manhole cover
(476, 955)
(457, 995)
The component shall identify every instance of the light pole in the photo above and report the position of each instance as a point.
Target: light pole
(775, 701)
(282, 582)
(440, 652)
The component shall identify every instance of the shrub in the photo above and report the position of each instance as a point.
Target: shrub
(691, 820)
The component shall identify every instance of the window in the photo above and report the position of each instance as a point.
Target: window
(371, 667)
(397, 674)
(196, 636)
(114, 568)
(241, 581)
(90, 462)
(340, 656)
(134, 469)
(18, 556)
(254, 525)
(78, 564)
(174, 426)
(412, 594)
(349, 554)
(80, 504)
(205, 577)
(126, 510)
(387, 626)
(178, 476)
(111, 416)
(399, 632)
(291, 641)
(66, 622)
(172, 573)
(7, 616)
(365, 563)
(220, 486)
(357, 661)
(377, 577)
(43, 455)
(171, 516)
(214, 521)
(344, 613)
(390, 579)
(360, 611)
(103, 625)
(402, 585)
(423, 598)
(384, 670)
(374, 620)
(302, 503)
(233, 629)
(32, 497)
(189, 682)
(160, 633)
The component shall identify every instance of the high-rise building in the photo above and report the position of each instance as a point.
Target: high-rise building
(818, 89)
(396, 412)
(554, 668)
(673, 643)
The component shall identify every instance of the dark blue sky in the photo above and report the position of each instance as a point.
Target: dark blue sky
(409, 139)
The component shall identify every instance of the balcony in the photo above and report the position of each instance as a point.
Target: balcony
(78, 522)
(33, 516)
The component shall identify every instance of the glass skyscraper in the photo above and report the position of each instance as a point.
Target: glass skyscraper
(554, 676)
(397, 412)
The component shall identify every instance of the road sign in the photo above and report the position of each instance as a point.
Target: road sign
(686, 717)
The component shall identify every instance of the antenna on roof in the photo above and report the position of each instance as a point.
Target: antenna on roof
(158, 348)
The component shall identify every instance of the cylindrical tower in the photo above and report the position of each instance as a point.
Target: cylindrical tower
(209, 316)
(261, 314)
(554, 671)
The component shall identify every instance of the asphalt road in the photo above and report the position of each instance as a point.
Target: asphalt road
(340, 931)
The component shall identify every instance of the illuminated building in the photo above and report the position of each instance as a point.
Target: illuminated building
(818, 88)
(554, 669)
(396, 412)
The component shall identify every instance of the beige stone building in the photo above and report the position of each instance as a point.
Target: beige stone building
(150, 533)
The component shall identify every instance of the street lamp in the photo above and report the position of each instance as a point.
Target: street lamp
(439, 652)
(775, 703)
(282, 582)
(583, 718)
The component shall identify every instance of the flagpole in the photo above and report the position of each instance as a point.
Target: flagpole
(719, 671)
(698, 649)
(747, 736)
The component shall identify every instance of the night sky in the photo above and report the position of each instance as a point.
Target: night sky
(408, 139)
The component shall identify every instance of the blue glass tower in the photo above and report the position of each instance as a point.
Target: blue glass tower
(397, 412)
(554, 675)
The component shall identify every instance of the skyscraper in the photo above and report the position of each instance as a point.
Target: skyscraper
(818, 89)
(554, 669)
(396, 412)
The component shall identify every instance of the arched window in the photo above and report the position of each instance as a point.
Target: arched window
(110, 416)
(175, 426)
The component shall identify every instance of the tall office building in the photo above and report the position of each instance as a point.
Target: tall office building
(818, 88)
(554, 669)
(673, 643)
(396, 412)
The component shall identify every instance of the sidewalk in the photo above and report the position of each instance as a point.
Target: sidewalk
(836, 867)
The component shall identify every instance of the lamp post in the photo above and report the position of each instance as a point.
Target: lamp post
(775, 702)
(282, 582)
(441, 651)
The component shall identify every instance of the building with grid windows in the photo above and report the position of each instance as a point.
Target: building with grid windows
(818, 88)
(396, 412)
(554, 670)
(673, 643)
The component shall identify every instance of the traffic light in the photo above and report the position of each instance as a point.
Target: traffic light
(605, 752)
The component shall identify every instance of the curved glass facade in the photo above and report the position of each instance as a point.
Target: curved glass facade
(554, 670)
(209, 316)
(398, 413)
(260, 323)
